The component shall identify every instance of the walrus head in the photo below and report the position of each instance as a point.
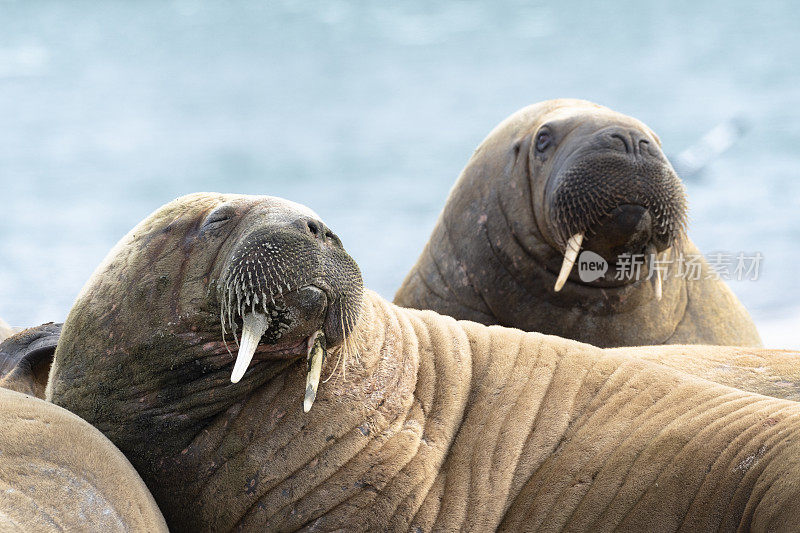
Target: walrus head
(289, 284)
(568, 175)
(553, 179)
(225, 280)
(600, 181)
(149, 355)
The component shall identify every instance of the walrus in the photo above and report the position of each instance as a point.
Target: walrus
(551, 180)
(58, 473)
(25, 359)
(420, 422)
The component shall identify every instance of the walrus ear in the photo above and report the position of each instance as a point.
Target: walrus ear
(25, 359)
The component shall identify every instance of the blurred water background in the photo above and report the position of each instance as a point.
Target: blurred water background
(367, 112)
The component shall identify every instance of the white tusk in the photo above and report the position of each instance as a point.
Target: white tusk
(255, 324)
(570, 255)
(657, 281)
(316, 358)
(658, 285)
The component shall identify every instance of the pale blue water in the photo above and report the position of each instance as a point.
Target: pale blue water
(367, 112)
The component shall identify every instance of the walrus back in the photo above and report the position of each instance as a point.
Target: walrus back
(561, 435)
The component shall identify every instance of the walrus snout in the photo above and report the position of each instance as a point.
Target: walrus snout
(631, 141)
(618, 192)
(288, 282)
(628, 229)
(593, 186)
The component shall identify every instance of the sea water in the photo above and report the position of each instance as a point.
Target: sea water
(367, 112)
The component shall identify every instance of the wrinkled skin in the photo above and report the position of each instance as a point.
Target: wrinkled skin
(58, 473)
(549, 171)
(438, 424)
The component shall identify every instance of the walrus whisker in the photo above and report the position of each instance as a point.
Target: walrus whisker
(353, 343)
(345, 348)
(226, 312)
(335, 366)
(570, 255)
(238, 296)
(233, 329)
(356, 338)
(222, 309)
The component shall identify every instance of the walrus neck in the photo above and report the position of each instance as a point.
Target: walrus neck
(485, 266)
(273, 460)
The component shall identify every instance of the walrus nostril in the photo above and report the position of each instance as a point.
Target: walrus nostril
(320, 231)
(620, 140)
(333, 238)
(628, 141)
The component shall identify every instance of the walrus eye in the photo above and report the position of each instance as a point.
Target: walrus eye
(543, 141)
(218, 217)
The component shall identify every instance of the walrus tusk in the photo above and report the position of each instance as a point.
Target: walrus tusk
(255, 324)
(570, 255)
(316, 358)
(657, 282)
(658, 285)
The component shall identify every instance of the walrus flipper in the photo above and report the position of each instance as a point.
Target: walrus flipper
(25, 359)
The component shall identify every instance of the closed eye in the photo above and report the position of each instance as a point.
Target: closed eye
(219, 217)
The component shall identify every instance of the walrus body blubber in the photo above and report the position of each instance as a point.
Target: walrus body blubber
(58, 473)
(436, 425)
(553, 179)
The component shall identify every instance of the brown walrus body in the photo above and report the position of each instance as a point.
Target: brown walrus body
(58, 473)
(435, 425)
(569, 174)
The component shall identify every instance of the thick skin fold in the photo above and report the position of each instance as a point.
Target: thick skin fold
(450, 425)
